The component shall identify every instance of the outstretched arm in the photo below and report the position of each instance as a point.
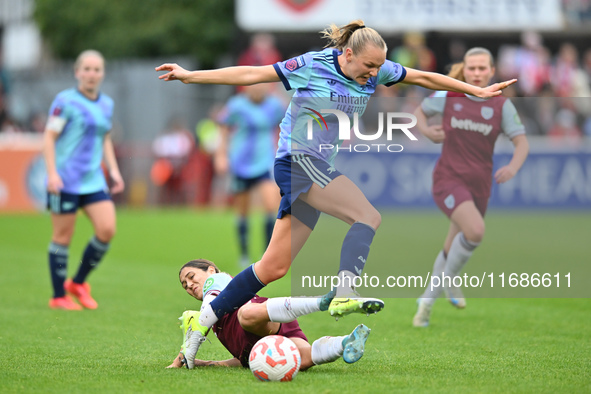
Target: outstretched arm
(435, 81)
(239, 75)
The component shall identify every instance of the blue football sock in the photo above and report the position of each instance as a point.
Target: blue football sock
(239, 291)
(95, 250)
(356, 248)
(58, 267)
(242, 227)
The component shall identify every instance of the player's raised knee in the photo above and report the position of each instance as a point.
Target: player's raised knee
(251, 315)
(475, 233)
(105, 234)
(372, 218)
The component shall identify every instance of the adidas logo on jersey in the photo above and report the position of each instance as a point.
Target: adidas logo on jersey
(470, 125)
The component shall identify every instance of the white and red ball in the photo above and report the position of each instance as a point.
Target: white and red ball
(275, 358)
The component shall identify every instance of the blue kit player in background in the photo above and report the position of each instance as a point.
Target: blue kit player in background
(249, 130)
(77, 138)
(347, 71)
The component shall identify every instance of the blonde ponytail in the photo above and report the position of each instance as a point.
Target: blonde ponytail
(457, 71)
(354, 35)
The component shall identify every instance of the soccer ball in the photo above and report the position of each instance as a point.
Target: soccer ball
(275, 358)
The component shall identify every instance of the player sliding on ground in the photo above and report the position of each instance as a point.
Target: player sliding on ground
(349, 69)
(240, 330)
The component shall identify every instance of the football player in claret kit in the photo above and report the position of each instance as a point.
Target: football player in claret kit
(240, 330)
(462, 178)
(342, 77)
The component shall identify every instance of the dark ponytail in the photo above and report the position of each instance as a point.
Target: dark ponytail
(201, 264)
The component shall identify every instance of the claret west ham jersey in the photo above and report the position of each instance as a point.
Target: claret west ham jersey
(472, 126)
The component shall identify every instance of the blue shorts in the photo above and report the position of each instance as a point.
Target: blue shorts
(295, 175)
(69, 203)
(239, 184)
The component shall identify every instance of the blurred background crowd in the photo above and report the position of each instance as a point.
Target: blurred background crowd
(165, 136)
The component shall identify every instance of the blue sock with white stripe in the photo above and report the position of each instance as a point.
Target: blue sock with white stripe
(95, 250)
(239, 291)
(242, 227)
(355, 249)
(58, 267)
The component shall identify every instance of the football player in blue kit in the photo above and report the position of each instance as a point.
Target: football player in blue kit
(248, 129)
(341, 77)
(77, 138)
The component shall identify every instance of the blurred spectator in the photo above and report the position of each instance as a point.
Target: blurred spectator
(261, 51)
(457, 49)
(37, 121)
(529, 63)
(568, 78)
(207, 132)
(577, 12)
(9, 125)
(565, 127)
(206, 188)
(587, 63)
(414, 54)
(172, 150)
(543, 108)
(587, 127)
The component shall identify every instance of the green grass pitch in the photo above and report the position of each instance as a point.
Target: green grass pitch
(494, 345)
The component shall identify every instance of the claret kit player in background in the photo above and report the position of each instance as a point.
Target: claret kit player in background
(462, 178)
(354, 63)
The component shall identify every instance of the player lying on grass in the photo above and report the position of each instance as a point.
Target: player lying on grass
(241, 329)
